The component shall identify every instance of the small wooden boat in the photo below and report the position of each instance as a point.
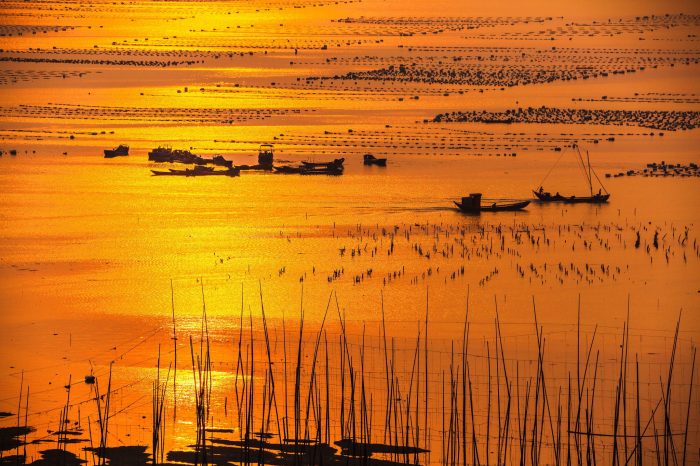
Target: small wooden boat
(287, 169)
(598, 198)
(337, 170)
(119, 151)
(198, 170)
(474, 204)
(337, 163)
(166, 154)
(173, 172)
(221, 161)
(370, 159)
(322, 168)
(351, 447)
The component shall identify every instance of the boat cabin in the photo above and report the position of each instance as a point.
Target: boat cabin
(265, 156)
(473, 202)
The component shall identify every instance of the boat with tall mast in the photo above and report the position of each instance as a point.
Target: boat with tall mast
(600, 197)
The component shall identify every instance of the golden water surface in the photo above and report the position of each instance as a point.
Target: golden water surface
(98, 257)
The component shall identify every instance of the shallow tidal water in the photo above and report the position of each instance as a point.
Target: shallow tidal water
(98, 259)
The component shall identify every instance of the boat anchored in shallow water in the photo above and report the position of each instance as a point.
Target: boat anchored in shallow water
(600, 197)
(370, 159)
(475, 204)
(334, 167)
(167, 154)
(337, 163)
(287, 169)
(119, 151)
(198, 170)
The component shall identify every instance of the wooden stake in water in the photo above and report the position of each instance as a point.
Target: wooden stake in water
(172, 304)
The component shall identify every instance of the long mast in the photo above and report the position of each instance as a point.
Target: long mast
(590, 179)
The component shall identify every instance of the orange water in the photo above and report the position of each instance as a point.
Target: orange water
(90, 246)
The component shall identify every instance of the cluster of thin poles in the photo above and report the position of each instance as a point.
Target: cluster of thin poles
(528, 420)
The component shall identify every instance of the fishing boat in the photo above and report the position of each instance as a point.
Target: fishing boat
(330, 170)
(161, 154)
(198, 170)
(287, 169)
(335, 164)
(166, 154)
(322, 168)
(119, 151)
(370, 159)
(600, 197)
(221, 161)
(265, 156)
(161, 172)
(475, 204)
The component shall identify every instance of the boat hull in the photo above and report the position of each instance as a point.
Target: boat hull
(120, 151)
(377, 162)
(109, 154)
(495, 207)
(370, 159)
(321, 171)
(335, 164)
(595, 199)
(187, 172)
(287, 170)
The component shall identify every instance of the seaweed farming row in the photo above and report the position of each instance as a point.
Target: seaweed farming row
(661, 120)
